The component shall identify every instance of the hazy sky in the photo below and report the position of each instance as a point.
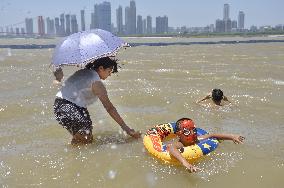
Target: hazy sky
(180, 12)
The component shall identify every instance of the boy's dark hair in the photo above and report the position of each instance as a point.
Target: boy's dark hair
(217, 94)
(106, 62)
(180, 120)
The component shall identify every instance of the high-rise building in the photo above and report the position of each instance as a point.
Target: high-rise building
(234, 24)
(49, 26)
(144, 26)
(74, 24)
(241, 20)
(29, 26)
(57, 26)
(17, 31)
(228, 25)
(226, 12)
(226, 18)
(92, 25)
(68, 25)
(62, 25)
(149, 25)
(41, 28)
(132, 17)
(127, 21)
(22, 31)
(162, 25)
(83, 24)
(119, 22)
(102, 16)
(220, 26)
(139, 25)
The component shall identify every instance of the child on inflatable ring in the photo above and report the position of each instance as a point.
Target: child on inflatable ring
(186, 131)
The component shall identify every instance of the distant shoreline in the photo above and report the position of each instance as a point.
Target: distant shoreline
(134, 44)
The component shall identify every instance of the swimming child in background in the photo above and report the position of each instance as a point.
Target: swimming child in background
(58, 74)
(187, 134)
(80, 90)
(217, 96)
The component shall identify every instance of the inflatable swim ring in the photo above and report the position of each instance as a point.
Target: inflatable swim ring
(153, 142)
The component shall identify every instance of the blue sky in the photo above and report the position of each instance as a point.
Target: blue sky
(180, 12)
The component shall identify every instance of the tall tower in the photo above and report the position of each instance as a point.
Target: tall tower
(41, 29)
(162, 24)
(102, 16)
(68, 24)
(226, 12)
(29, 26)
(139, 25)
(149, 25)
(62, 25)
(127, 21)
(119, 22)
(74, 24)
(132, 17)
(83, 25)
(241, 20)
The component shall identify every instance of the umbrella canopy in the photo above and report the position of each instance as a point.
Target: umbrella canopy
(84, 47)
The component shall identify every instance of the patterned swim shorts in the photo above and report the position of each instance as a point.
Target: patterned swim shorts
(72, 117)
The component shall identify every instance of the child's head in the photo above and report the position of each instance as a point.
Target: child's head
(105, 62)
(58, 73)
(186, 131)
(217, 95)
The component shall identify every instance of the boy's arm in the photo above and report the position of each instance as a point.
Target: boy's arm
(173, 150)
(226, 99)
(204, 98)
(237, 139)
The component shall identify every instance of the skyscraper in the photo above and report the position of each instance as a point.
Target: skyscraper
(144, 26)
(132, 17)
(74, 24)
(226, 12)
(62, 25)
(68, 24)
(57, 26)
(29, 26)
(83, 25)
(127, 21)
(102, 16)
(226, 18)
(162, 25)
(139, 25)
(49, 26)
(119, 22)
(149, 25)
(41, 28)
(241, 20)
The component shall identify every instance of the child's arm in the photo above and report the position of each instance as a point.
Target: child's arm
(173, 150)
(237, 139)
(226, 99)
(204, 98)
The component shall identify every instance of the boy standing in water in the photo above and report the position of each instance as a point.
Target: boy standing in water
(186, 131)
(217, 97)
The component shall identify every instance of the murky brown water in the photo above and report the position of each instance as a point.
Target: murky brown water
(155, 85)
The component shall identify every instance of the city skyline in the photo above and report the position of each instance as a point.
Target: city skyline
(183, 13)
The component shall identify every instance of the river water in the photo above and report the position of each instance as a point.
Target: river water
(156, 84)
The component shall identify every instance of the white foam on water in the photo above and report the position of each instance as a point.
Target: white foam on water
(112, 174)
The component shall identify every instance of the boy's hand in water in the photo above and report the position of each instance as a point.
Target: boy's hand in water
(134, 134)
(237, 139)
(192, 168)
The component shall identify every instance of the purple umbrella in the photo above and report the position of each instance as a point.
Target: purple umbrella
(84, 47)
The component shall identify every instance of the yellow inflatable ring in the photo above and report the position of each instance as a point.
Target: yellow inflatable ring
(153, 142)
